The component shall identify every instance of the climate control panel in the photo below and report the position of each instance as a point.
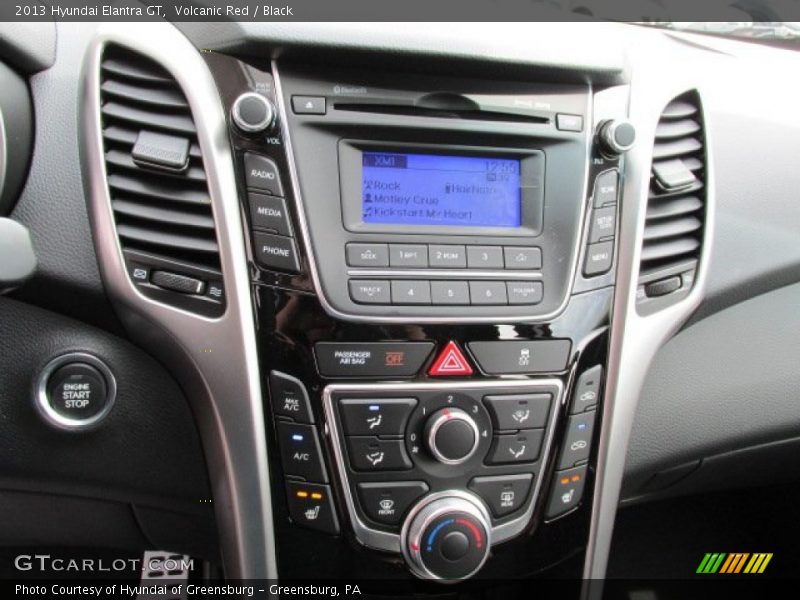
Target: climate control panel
(398, 447)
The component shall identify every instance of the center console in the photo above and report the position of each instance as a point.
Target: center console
(433, 264)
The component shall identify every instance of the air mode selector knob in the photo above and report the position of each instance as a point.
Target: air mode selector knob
(616, 136)
(446, 536)
(451, 436)
(253, 113)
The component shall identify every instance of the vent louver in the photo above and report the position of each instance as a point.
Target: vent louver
(673, 230)
(156, 178)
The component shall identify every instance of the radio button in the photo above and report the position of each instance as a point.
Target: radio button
(261, 173)
(367, 255)
(373, 454)
(518, 257)
(488, 292)
(366, 416)
(370, 291)
(503, 494)
(525, 292)
(484, 257)
(269, 212)
(387, 503)
(450, 292)
(411, 292)
(449, 257)
(519, 447)
(408, 255)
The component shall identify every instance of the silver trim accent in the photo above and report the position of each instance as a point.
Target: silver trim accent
(3, 151)
(429, 509)
(635, 339)
(215, 360)
(55, 418)
(432, 428)
(390, 542)
(266, 123)
(361, 318)
(460, 274)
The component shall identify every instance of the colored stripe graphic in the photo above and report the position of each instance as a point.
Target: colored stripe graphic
(735, 562)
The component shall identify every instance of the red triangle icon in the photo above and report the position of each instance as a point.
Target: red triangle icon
(450, 362)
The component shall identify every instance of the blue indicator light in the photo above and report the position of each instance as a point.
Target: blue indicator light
(297, 437)
(374, 407)
(433, 534)
(582, 426)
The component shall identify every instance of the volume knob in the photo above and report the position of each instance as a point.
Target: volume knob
(253, 113)
(616, 136)
(451, 436)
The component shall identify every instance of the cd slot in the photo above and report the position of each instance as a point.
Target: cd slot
(470, 114)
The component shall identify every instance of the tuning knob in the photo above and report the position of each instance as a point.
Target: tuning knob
(253, 113)
(451, 436)
(446, 536)
(616, 136)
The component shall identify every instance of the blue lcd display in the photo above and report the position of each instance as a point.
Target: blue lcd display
(436, 189)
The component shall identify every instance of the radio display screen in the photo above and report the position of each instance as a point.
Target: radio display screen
(438, 189)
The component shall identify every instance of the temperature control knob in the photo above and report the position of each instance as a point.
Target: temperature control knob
(451, 436)
(446, 536)
(616, 136)
(253, 113)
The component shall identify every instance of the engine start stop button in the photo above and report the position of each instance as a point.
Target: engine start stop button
(75, 391)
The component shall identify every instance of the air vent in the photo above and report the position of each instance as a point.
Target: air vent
(157, 182)
(676, 203)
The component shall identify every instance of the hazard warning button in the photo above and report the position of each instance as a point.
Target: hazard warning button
(450, 362)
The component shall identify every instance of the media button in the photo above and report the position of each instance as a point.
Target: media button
(269, 212)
